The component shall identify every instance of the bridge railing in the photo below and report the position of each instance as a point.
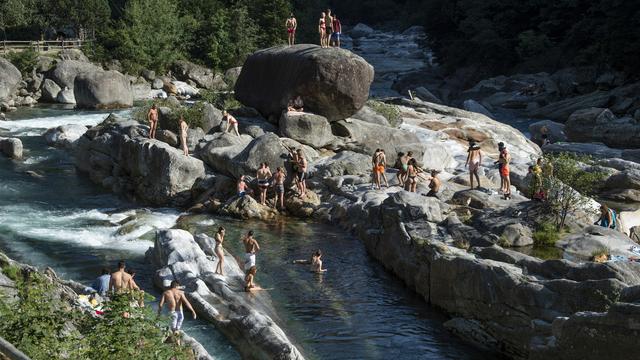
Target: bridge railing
(40, 46)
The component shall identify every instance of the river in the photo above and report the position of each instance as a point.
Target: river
(58, 218)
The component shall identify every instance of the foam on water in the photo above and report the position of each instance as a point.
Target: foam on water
(37, 126)
(75, 227)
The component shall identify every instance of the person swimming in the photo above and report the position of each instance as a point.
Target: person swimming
(315, 262)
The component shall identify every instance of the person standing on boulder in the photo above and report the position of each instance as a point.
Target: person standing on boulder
(175, 299)
(412, 176)
(232, 123)
(474, 159)
(329, 28)
(337, 31)
(183, 135)
(263, 175)
(219, 251)
(278, 182)
(292, 26)
(322, 30)
(251, 247)
(302, 173)
(503, 166)
(152, 117)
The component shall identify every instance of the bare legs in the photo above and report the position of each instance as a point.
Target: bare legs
(152, 131)
(471, 175)
(220, 255)
(183, 139)
(263, 195)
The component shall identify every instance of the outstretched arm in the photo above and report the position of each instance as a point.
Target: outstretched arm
(188, 305)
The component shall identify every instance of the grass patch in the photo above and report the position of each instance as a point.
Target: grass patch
(390, 112)
(461, 244)
(11, 271)
(545, 235)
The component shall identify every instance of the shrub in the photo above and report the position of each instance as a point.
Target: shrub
(25, 60)
(43, 326)
(11, 271)
(390, 112)
(220, 99)
(545, 235)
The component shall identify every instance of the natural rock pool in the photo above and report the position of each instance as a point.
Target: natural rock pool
(50, 216)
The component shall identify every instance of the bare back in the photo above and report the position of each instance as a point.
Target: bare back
(173, 298)
(120, 280)
(251, 245)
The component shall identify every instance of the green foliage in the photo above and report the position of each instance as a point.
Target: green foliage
(11, 271)
(150, 35)
(546, 234)
(14, 13)
(192, 114)
(220, 99)
(25, 60)
(570, 186)
(43, 326)
(390, 112)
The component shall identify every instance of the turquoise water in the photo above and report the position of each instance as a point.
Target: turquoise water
(356, 310)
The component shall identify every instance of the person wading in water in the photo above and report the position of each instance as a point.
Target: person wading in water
(175, 299)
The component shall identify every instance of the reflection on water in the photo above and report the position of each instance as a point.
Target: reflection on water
(356, 310)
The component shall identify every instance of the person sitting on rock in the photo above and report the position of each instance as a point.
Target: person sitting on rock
(243, 188)
(152, 117)
(101, 284)
(434, 184)
(248, 279)
(232, 123)
(607, 217)
(263, 175)
(184, 128)
(296, 105)
(278, 183)
(474, 159)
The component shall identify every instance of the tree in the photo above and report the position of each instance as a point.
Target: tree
(570, 186)
(14, 13)
(270, 16)
(149, 35)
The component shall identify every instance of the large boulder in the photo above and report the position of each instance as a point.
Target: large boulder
(9, 78)
(246, 207)
(66, 71)
(202, 76)
(64, 136)
(343, 163)
(50, 91)
(211, 117)
(594, 239)
(102, 90)
(333, 82)
(601, 125)
(623, 186)
(310, 129)
(66, 96)
(11, 147)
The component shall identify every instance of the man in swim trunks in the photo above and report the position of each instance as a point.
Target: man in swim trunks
(302, 173)
(474, 159)
(337, 31)
(175, 298)
(242, 187)
(152, 116)
(251, 247)
(329, 27)
(278, 180)
(232, 123)
(263, 175)
(120, 279)
(379, 161)
(292, 26)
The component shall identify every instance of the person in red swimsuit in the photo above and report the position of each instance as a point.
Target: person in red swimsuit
(322, 29)
(292, 25)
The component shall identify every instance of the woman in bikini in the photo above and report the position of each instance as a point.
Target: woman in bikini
(232, 123)
(322, 29)
(412, 176)
(292, 25)
(263, 176)
(503, 166)
(474, 159)
(219, 237)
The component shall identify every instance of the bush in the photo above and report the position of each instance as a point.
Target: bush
(11, 271)
(390, 112)
(25, 60)
(43, 326)
(220, 99)
(545, 235)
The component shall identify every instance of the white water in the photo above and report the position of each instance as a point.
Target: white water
(35, 127)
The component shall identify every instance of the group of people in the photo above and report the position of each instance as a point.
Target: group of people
(474, 161)
(408, 172)
(329, 28)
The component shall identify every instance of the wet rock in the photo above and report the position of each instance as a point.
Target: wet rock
(333, 82)
(66, 96)
(309, 129)
(11, 147)
(64, 136)
(246, 207)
